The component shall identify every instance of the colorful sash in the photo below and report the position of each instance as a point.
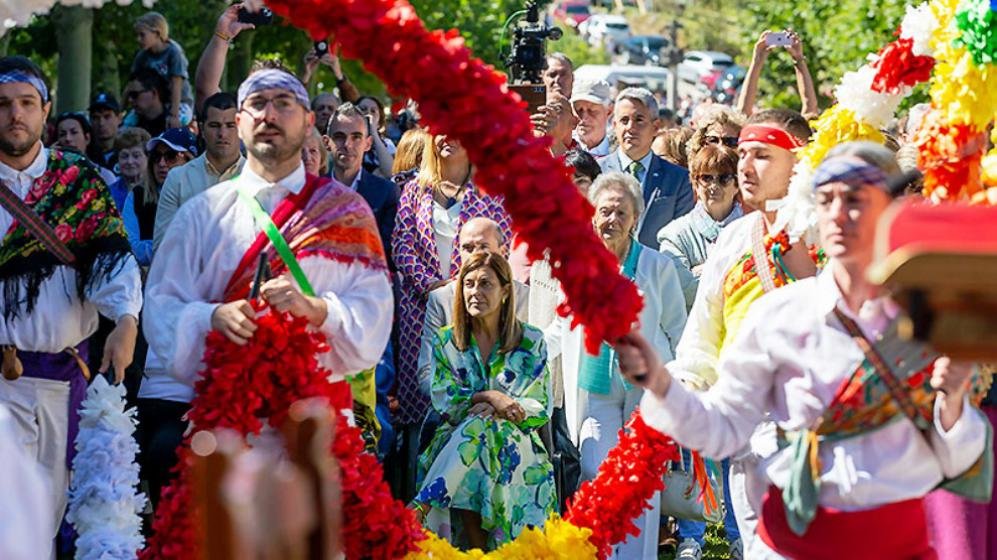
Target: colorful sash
(324, 219)
(74, 201)
(328, 220)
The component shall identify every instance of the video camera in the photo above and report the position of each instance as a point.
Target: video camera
(529, 47)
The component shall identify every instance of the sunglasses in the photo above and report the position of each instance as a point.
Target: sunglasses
(724, 179)
(729, 141)
(170, 156)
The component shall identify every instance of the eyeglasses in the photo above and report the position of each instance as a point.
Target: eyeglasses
(717, 179)
(257, 106)
(729, 141)
(170, 156)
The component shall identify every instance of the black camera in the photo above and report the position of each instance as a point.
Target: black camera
(262, 17)
(321, 48)
(527, 60)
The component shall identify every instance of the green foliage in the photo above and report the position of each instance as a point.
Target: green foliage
(837, 34)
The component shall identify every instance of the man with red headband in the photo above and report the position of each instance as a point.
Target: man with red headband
(868, 423)
(730, 281)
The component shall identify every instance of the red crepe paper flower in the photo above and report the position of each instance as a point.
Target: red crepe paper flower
(547, 210)
(951, 157)
(240, 387)
(627, 479)
(897, 66)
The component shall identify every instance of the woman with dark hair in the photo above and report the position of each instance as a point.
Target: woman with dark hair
(586, 168)
(73, 132)
(486, 462)
(379, 159)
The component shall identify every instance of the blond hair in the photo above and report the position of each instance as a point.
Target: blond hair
(155, 22)
(510, 329)
(410, 150)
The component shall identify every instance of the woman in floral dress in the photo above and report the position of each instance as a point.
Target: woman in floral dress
(486, 464)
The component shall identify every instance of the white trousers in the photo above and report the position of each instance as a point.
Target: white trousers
(600, 419)
(40, 411)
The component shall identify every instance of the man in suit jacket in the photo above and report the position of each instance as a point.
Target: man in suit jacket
(348, 138)
(667, 190)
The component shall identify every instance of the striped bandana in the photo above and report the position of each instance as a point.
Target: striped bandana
(272, 78)
(19, 76)
(850, 170)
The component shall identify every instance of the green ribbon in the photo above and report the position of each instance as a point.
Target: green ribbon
(803, 488)
(277, 240)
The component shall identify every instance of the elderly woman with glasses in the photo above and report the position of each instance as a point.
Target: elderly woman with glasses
(170, 149)
(597, 402)
(713, 170)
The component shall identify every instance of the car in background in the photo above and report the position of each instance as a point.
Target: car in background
(697, 65)
(572, 12)
(609, 29)
(644, 49)
(619, 76)
(728, 85)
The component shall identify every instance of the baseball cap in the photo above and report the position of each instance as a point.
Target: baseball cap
(176, 139)
(595, 91)
(104, 100)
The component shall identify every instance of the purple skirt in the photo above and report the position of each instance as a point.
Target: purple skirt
(62, 366)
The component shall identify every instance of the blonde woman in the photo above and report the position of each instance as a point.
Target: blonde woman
(491, 385)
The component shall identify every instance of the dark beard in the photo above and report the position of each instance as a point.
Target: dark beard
(17, 150)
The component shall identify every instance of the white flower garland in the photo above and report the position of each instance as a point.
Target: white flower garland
(104, 504)
(16, 13)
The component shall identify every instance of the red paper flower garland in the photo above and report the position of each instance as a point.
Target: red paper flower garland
(243, 385)
(462, 97)
(898, 66)
(630, 475)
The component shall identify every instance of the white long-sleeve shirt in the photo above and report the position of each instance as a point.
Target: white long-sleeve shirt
(202, 248)
(788, 360)
(60, 320)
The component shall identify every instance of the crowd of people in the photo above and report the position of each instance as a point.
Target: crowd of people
(133, 230)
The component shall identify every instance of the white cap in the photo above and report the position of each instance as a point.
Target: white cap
(594, 91)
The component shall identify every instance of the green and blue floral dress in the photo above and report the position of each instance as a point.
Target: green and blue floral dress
(495, 467)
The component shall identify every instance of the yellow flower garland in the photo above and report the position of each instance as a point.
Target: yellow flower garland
(835, 126)
(965, 92)
(558, 540)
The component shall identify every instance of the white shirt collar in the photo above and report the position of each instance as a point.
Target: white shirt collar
(21, 180)
(600, 149)
(253, 183)
(356, 180)
(625, 160)
(875, 313)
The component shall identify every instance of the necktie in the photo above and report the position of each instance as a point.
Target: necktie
(635, 169)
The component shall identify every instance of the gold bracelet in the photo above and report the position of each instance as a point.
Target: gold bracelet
(223, 37)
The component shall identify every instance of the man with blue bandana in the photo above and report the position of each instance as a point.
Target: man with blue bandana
(64, 258)
(868, 423)
(333, 272)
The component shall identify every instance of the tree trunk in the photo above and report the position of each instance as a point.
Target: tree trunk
(73, 25)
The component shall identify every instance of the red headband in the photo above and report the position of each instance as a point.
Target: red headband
(769, 135)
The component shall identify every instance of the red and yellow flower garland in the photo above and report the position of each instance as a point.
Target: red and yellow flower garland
(281, 357)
